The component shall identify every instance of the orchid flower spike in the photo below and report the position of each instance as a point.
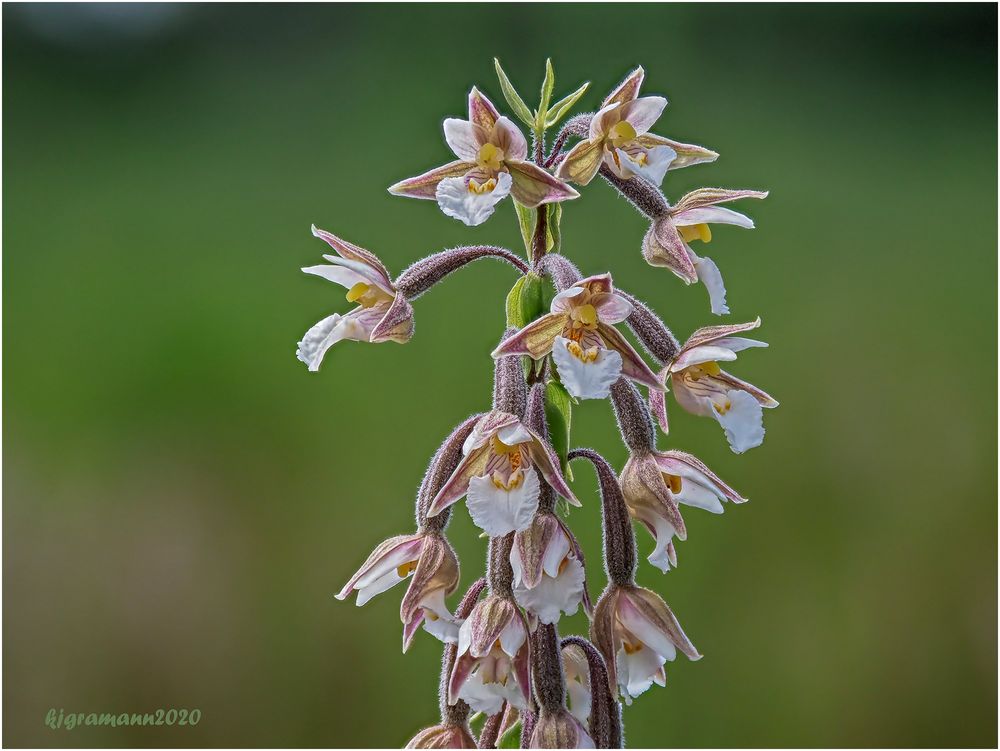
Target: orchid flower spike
(548, 569)
(668, 241)
(619, 137)
(702, 388)
(492, 162)
(381, 314)
(637, 634)
(589, 352)
(432, 562)
(653, 484)
(499, 475)
(493, 658)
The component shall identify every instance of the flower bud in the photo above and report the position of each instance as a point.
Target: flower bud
(443, 736)
(559, 729)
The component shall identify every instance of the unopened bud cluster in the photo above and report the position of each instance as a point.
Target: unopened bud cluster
(503, 656)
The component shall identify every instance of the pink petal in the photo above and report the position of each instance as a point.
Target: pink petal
(533, 186)
(481, 110)
(687, 153)
(425, 185)
(663, 246)
(581, 163)
(472, 465)
(712, 196)
(535, 339)
(633, 366)
(464, 138)
(708, 334)
(352, 252)
(628, 89)
(509, 138)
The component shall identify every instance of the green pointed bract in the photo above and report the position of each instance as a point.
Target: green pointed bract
(548, 83)
(525, 301)
(513, 98)
(559, 414)
(564, 105)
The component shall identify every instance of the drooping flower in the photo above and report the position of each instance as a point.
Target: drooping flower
(432, 562)
(548, 569)
(638, 634)
(499, 475)
(589, 352)
(492, 162)
(381, 314)
(578, 691)
(493, 657)
(654, 483)
(702, 388)
(668, 241)
(619, 137)
(443, 736)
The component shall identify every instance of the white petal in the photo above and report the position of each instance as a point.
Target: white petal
(743, 421)
(644, 630)
(461, 138)
(658, 161)
(710, 276)
(553, 596)
(486, 698)
(324, 335)
(712, 215)
(587, 380)
(563, 301)
(497, 511)
(464, 637)
(513, 636)
(555, 553)
(345, 277)
(579, 700)
(456, 200)
(637, 670)
(738, 343)
(643, 112)
(695, 403)
(664, 534)
(704, 353)
(377, 586)
(514, 434)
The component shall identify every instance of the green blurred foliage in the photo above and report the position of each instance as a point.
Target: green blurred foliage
(182, 499)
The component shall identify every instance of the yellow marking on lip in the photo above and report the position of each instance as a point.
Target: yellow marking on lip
(406, 568)
(696, 232)
(673, 482)
(621, 133)
(490, 157)
(480, 188)
(581, 354)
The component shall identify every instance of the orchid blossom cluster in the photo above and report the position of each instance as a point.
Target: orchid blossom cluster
(503, 658)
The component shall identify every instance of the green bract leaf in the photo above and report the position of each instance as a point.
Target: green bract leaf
(560, 108)
(525, 301)
(513, 98)
(552, 238)
(512, 738)
(548, 83)
(559, 414)
(526, 221)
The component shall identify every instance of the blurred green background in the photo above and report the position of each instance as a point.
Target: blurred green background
(182, 498)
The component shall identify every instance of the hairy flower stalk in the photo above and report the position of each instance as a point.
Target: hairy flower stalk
(563, 342)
